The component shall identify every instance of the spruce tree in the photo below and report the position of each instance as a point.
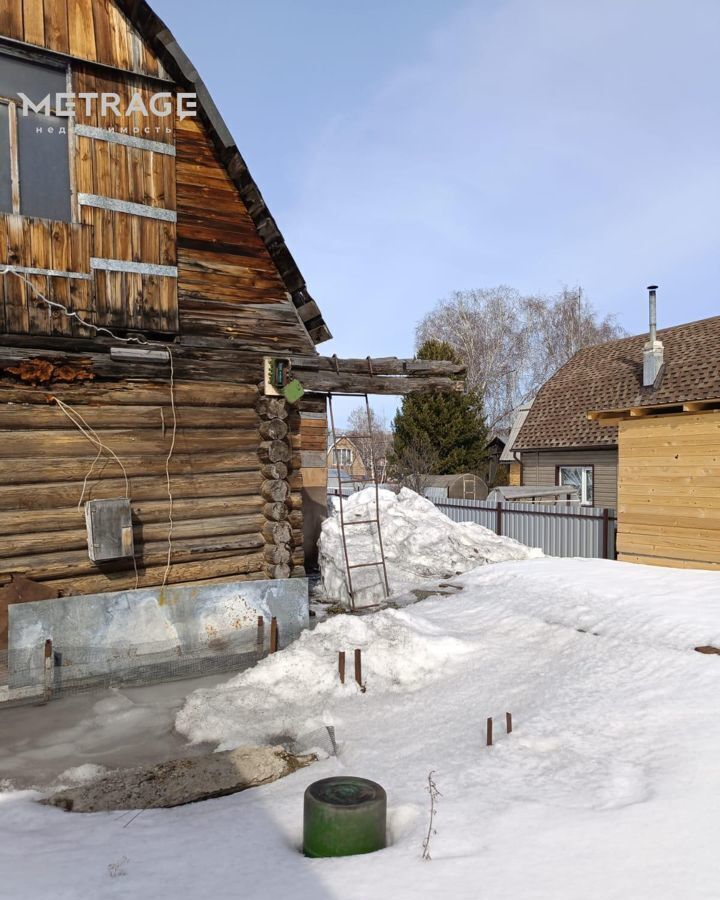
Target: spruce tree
(447, 430)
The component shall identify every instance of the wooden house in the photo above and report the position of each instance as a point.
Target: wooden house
(344, 454)
(144, 285)
(558, 444)
(634, 424)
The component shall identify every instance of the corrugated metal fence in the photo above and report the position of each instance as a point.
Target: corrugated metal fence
(558, 529)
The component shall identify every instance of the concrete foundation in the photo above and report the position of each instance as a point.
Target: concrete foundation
(96, 634)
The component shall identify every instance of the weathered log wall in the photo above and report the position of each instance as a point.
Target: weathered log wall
(220, 506)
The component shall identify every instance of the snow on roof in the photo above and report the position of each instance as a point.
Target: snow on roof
(521, 414)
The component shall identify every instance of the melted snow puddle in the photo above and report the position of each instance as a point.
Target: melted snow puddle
(116, 728)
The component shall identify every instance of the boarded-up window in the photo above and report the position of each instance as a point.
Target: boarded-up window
(34, 155)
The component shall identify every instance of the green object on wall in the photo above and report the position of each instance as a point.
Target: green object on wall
(293, 391)
(344, 816)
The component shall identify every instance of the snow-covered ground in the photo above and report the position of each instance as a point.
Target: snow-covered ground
(606, 789)
(419, 543)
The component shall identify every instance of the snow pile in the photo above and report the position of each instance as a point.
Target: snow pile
(286, 697)
(419, 543)
(604, 790)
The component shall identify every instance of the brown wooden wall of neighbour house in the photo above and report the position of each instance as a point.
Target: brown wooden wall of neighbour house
(669, 493)
(540, 469)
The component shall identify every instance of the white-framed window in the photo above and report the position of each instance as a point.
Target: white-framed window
(343, 457)
(34, 148)
(580, 477)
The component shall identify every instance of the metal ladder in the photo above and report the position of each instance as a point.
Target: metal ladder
(349, 567)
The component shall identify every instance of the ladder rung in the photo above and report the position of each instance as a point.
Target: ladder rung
(365, 565)
(361, 522)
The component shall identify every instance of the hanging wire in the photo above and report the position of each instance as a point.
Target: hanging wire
(90, 433)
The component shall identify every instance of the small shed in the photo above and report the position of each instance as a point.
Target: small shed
(456, 487)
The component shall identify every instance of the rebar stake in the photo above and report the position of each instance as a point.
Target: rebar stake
(358, 670)
(341, 665)
(260, 633)
(489, 740)
(508, 723)
(273, 635)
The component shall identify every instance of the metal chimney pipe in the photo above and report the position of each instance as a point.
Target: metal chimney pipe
(653, 312)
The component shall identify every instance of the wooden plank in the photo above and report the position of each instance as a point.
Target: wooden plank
(11, 19)
(667, 562)
(81, 29)
(34, 21)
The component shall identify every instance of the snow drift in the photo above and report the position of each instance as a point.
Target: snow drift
(285, 697)
(420, 543)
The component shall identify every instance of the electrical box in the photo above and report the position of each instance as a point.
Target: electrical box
(109, 529)
(279, 381)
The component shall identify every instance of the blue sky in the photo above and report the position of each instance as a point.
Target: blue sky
(409, 148)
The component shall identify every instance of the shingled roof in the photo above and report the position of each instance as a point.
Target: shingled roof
(609, 377)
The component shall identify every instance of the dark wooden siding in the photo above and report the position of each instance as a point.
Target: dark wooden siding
(94, 30)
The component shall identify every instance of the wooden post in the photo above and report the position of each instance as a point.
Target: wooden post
(341, 666)
(489, 736)
(49, 673)
(498, 518)
(508, 723)
(273, 635)
(606, 534)
(358, 667)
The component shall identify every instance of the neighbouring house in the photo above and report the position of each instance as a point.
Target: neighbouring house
(343, 454)
(455, 487)
(634, 424)
(156, 334)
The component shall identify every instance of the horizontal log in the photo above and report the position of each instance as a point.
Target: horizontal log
(43, 567)
(42, 471)
(276, 532)
(277, 554)
(206, 571)
(131, 393)
(65, 494)
(274, 451)
(144, 512)
(275, 512)
(386, 365)
(332, 383)
(274, 470)
(51, 444)
(273, 430)
(48, 541)
(275, 491)
(158, 418)
(272, 407)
